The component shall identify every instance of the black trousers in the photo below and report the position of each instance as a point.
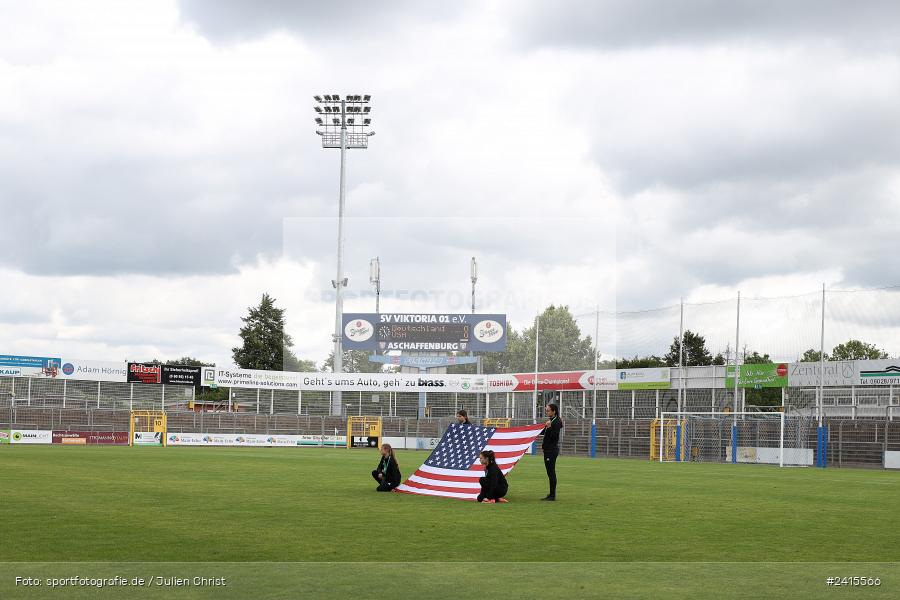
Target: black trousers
(383, 484)
(550, 457)
(485, 495)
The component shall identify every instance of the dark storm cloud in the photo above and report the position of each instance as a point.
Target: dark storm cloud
(339, 20)
(614, 24)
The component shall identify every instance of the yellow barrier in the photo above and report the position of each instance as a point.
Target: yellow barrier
(367, 429)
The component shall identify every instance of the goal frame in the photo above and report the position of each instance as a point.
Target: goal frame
(155, 421)
(680, 418)
(363, 427)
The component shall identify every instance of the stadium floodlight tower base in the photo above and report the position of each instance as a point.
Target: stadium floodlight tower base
(745, 437)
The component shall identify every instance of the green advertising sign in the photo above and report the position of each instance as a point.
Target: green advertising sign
(643, 379)
(4, 436)
(768, 375)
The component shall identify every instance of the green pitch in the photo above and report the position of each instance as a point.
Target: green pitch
(308, 520)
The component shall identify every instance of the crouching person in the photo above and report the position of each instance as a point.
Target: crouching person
(493, 484)
(388, 472)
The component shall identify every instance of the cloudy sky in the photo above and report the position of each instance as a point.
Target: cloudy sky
(159, 168)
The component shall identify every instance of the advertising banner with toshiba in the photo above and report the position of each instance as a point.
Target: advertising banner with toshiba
(561, 381)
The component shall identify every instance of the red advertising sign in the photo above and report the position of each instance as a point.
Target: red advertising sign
(566, 380)
(144, 373)
(90, 437)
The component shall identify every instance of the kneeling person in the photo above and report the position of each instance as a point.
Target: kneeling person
(493, 484)
(388, 472)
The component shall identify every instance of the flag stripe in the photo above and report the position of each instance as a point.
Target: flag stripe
(511, 442)
(459, 485)
(439, 488)
(513, 454)
(424, 492)
(528, 428)
(518, 448)
(476, 468)
(507, 434)
(439, 477)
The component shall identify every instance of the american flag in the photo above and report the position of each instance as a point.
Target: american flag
(453, 469)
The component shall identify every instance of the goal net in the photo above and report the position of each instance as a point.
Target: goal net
(773, 438)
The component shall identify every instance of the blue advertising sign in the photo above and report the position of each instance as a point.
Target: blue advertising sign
(442, 332)
(423, 362)
(35, 362)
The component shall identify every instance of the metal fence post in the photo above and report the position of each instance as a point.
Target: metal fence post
(64, 392)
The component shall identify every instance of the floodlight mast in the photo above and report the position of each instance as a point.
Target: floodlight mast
(336, 135)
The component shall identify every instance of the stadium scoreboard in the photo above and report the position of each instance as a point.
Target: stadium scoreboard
(425, 332)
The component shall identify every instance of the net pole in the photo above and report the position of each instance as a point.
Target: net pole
(537, 345)
(662, 426)
(820, 403)
(681, 358)
(596, 358)
(781, 443)
(737, 344)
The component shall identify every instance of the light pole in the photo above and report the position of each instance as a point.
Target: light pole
(474, 275)
(335, 115)
(375, 279)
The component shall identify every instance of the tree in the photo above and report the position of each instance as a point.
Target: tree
(561, 346)
(813, 356)
(266, 346)
(849, 350)
(695, 351)
(754, 358)
(639, 362)
(857, 350)
(355, 361)
(187, 361)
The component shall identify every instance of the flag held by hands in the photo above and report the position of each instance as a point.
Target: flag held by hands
(452, 470)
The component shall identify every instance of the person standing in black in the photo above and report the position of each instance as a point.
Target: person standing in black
(462, 417)
(550, 446)
(388, 472)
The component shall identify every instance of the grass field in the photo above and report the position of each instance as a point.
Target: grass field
(308, 523)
